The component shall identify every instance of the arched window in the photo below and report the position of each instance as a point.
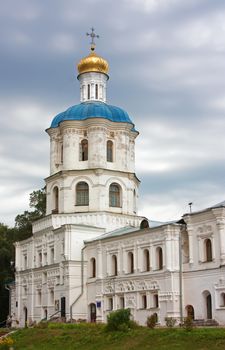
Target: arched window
(114, 195)
(208, 249)
(146, 260)
(82, 193)
(96, 91)
(130, 262)
(190, 312)
(55, 203)
(144, 224)
(159, 258)
(93, 268)
(84, 150)
(109, 151)
(114, 265)
(89, 92)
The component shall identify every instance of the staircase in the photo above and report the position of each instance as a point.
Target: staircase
(205, 323)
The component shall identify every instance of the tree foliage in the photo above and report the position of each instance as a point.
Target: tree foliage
(21, 230)
(23, 222)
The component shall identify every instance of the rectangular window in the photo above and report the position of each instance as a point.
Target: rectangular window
(25, 261)
(110, 304)
(52, 256)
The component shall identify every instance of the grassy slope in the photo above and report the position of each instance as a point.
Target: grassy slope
(94, 337)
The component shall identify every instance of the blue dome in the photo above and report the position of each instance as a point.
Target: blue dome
(88, 110)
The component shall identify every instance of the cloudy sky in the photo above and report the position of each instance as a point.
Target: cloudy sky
(167, 70)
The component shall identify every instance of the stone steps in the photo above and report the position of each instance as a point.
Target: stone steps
(207, 323)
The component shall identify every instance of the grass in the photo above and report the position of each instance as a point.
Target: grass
(95, 337)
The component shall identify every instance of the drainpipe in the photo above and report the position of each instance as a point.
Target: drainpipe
(10, 307)
(82, 285)
(180, 274)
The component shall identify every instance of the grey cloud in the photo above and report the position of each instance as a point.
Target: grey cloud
(166, 68)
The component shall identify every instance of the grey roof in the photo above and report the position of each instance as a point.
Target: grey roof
(128, 229)
(115, 233)
(218, 205)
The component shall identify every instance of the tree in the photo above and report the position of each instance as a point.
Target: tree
(23, 222)
(22, 230)
(7, 237)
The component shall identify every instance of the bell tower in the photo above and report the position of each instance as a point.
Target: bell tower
(92, 154)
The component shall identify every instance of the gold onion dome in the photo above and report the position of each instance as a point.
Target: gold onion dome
(93, 63)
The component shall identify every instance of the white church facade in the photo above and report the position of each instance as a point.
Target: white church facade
(92, 253)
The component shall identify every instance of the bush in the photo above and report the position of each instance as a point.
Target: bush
(119, 320)
(6, 343)
(170, 322)
(151, 321)
(188, 324)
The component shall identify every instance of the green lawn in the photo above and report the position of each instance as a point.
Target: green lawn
(94, 337)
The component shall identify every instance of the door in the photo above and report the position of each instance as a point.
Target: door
(209, 306)
(63, 307)
(93, 312)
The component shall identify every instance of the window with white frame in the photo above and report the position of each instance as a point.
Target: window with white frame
(208, 249)
(146, 260)
(122, 303)
(115, 195)
(222, 299)
(143, 301)
(51, 297)
(159, 258)
(93, 268)
(110, 304)
(114, 265)
(82, 193)
(39, 297)
(130, 262)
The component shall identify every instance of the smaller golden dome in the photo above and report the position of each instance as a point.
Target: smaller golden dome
(93, 63)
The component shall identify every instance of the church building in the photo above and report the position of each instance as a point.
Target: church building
(92, 254)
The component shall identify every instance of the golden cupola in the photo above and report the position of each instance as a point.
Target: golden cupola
(93, 74)
(93, 63)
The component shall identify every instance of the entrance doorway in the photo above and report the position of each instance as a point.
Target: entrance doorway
(92, 312)
(63, 307)
(209, 306)
(25, 316)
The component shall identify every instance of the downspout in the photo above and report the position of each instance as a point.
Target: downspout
(10, 301)
(82, 285)
(180, 275)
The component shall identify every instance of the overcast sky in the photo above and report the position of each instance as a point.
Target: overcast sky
(167, 70)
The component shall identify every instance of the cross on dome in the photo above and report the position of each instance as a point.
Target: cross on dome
(93, 36)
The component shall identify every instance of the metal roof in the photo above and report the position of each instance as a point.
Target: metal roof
(94, 109)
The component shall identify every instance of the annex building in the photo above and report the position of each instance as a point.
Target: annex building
(92, 253)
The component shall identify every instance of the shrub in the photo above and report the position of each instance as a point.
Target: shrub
(41, 325)
(170, 322)
(188, 324)
(151, 321)
(6, 343)
(119, 320)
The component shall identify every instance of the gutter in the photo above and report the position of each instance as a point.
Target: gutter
(82, 285)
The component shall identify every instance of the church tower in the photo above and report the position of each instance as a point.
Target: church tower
(92, 154)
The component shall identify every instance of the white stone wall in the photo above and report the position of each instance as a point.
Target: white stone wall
(132, 286)
(97, 131)
(93, 79)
